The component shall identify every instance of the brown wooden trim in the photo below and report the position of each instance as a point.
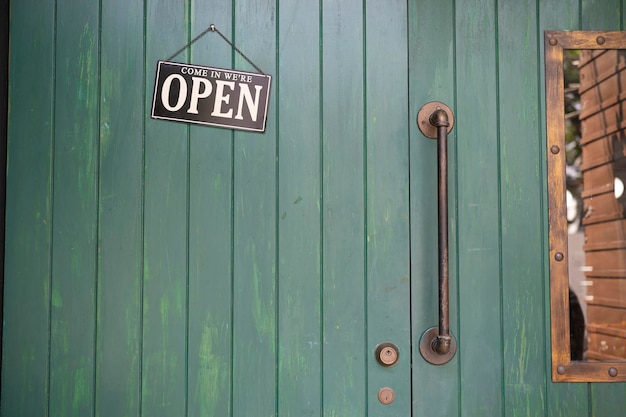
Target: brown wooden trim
(563, 368)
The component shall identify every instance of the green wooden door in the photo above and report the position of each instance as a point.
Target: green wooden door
(159, 269)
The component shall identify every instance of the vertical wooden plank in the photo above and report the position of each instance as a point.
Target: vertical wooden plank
(255, 222)
(164, 360)
(210, 235)
(300, 346)
(431, 78)
(344, 326)
(478, 206)
(523, 335)
(563, 399)
(387, 201)
(27, 294)
(75, 210)
(118, 371)
(605, 399)
(601, 14)
(4, 111)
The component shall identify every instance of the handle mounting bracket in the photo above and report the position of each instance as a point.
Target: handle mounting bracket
(423, 118)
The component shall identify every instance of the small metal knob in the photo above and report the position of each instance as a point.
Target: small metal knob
(387, 354)
(386, 395)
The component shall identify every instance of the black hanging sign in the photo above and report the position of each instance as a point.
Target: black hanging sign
(211, 96)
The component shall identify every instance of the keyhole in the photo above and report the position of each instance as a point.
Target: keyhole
(386, 395)
(387, 354)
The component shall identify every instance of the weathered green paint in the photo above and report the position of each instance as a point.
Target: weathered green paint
(120, 211)
(165, 235)
(255, 226)
(74, 210)
(387, 200)
(300, 348)
(520, 150)
(210, 240)
(344, 376)
(431, 79)
(478, 249)
(159, 269)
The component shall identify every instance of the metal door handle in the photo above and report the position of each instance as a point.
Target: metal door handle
(435, 120)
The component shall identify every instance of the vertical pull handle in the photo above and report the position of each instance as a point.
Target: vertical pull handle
(435, 120)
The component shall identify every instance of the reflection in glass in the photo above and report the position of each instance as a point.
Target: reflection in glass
(595, 130)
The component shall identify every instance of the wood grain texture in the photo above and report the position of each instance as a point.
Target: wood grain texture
(165, 238)
(607, 398)
(431, 78)
(120, 266)
(343, 211)
(160, 269)
(72, 339)
(387, 201)
(26, 326)
(556, 43)
(600, 14)
(479, 242)
(562, 399)
(299, 202)
(209, 390)
(255, 228)
(523, 334)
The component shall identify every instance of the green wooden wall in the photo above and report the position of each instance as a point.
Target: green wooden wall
(160, 269)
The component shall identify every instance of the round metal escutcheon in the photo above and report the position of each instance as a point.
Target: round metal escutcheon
(424, 113)
(427, 347)
(387, 354)
(386, 395)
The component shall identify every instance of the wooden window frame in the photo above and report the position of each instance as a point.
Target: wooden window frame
(563, 368)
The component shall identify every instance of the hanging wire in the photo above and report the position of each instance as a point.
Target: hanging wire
(212, 28)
